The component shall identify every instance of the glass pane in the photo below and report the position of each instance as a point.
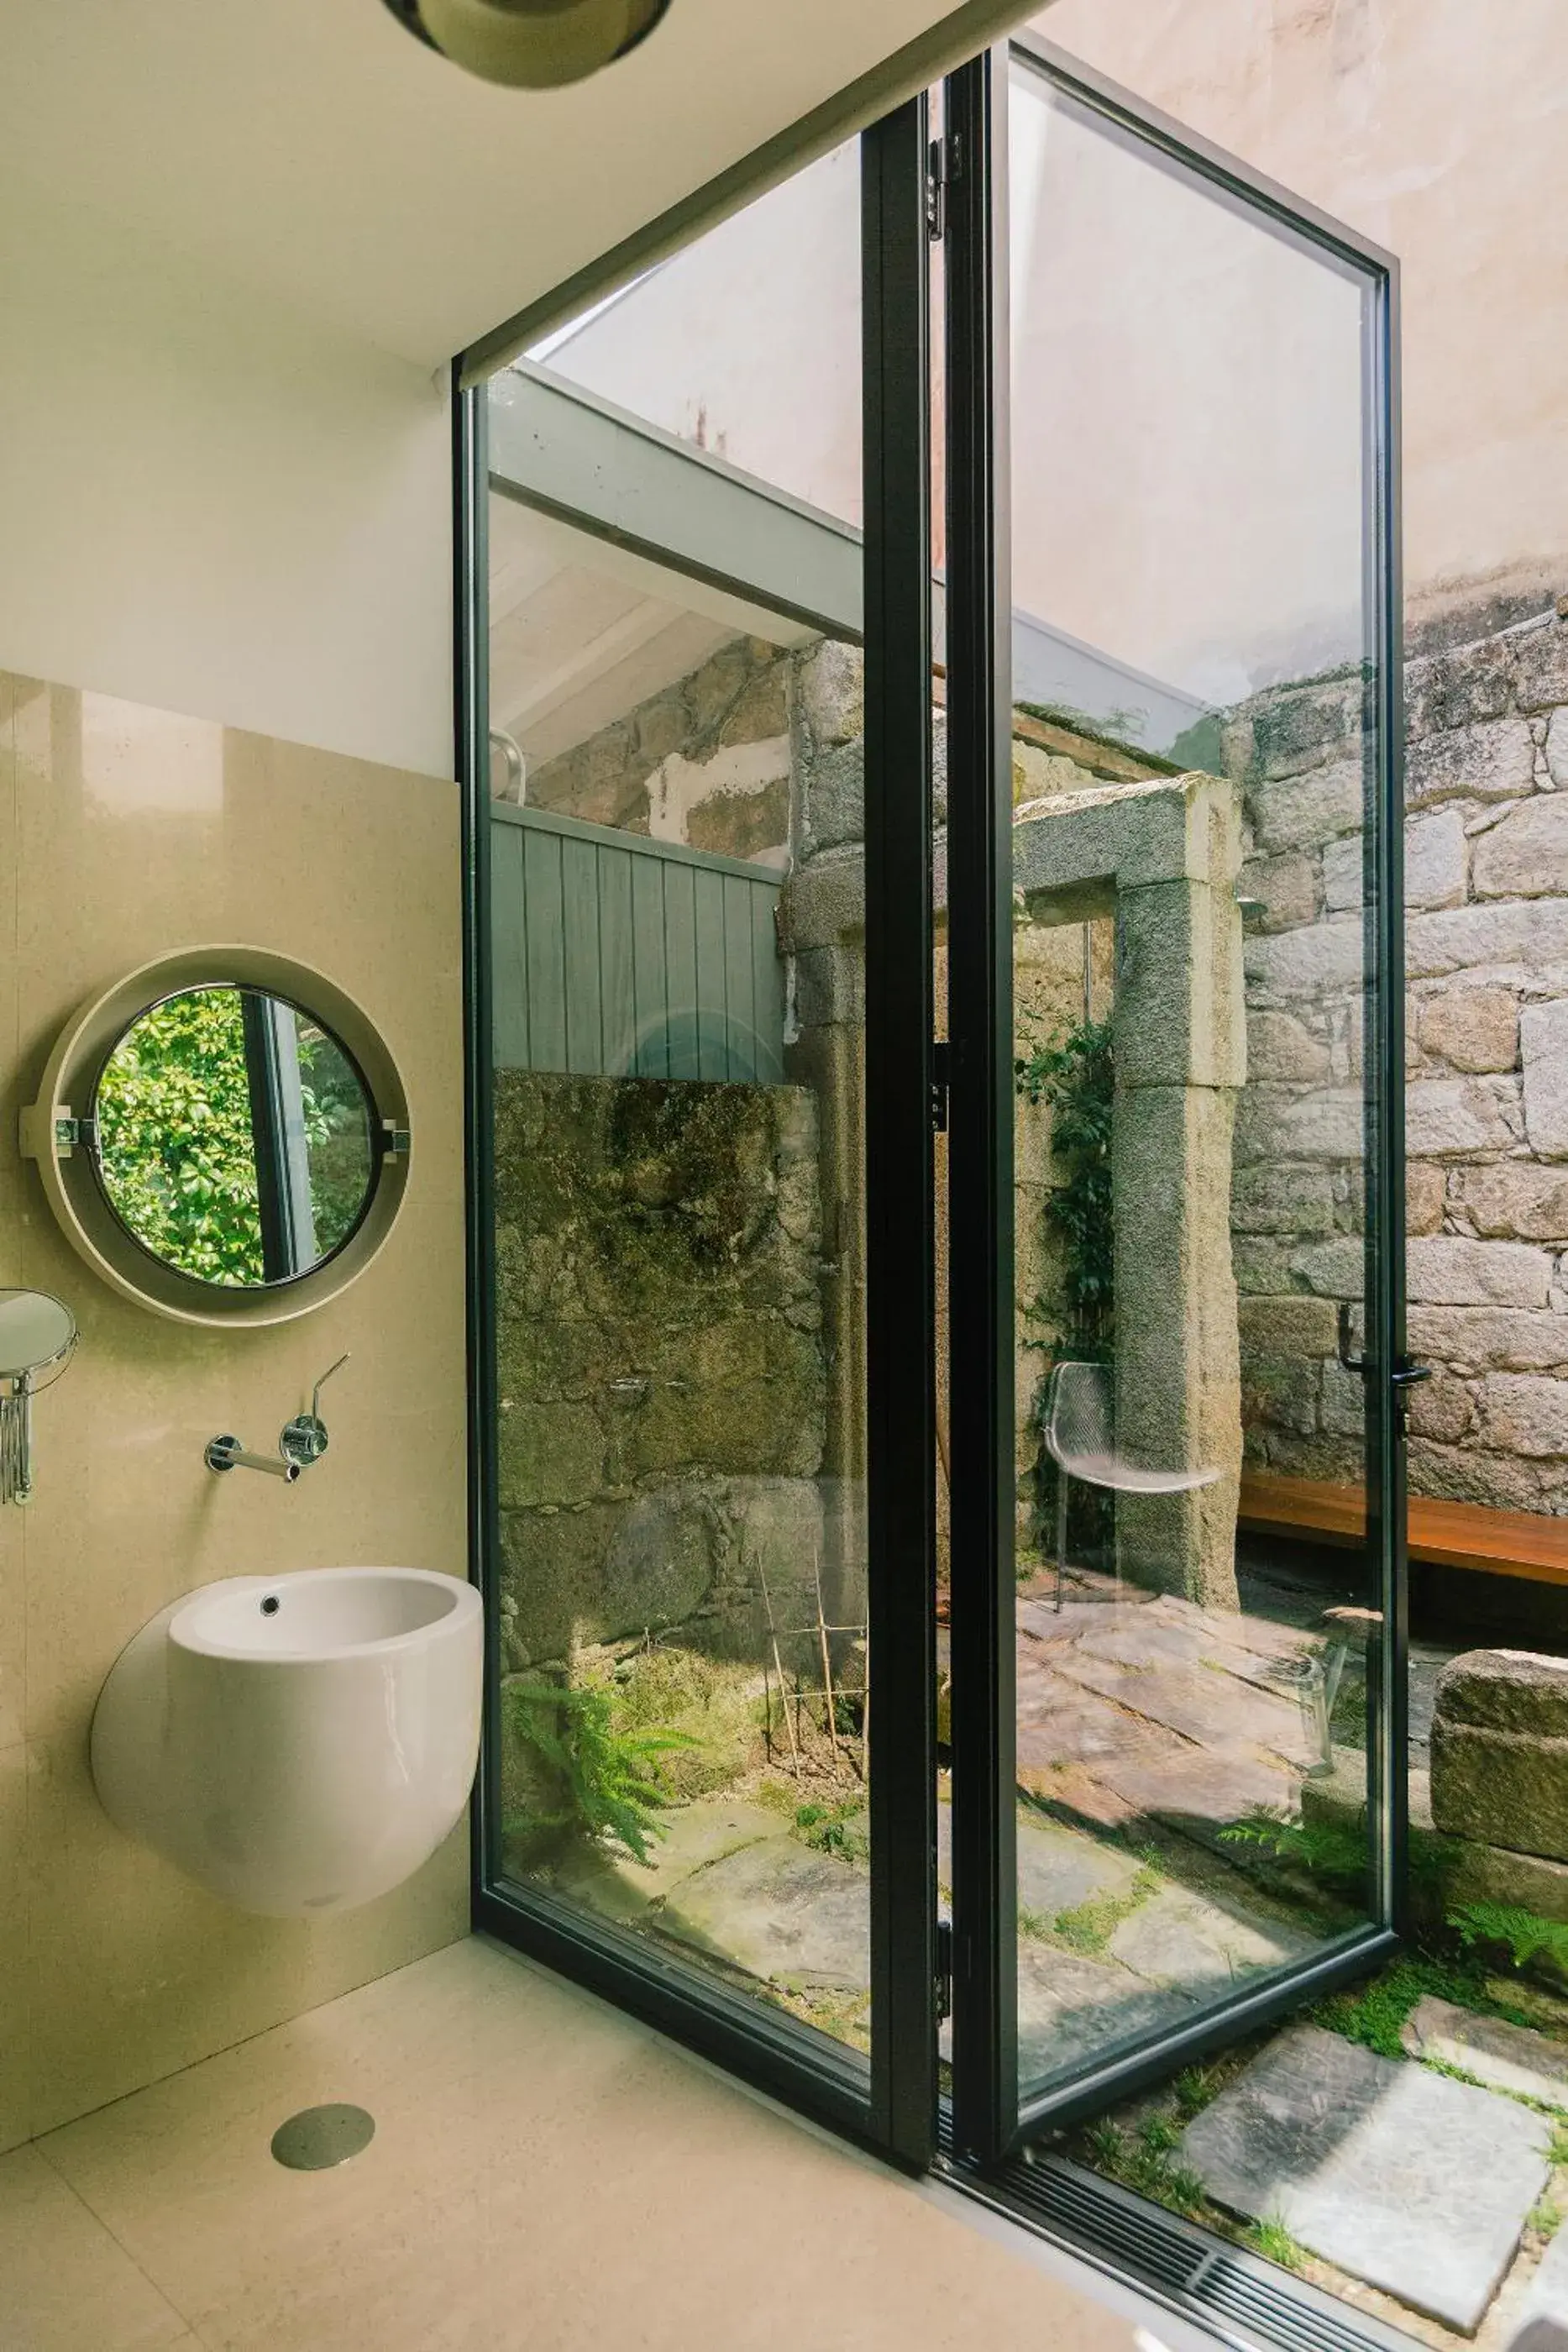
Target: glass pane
(747, 342)
(678, 887)
(1189, 755)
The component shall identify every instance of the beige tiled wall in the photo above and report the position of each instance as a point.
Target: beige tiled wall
(124, 833)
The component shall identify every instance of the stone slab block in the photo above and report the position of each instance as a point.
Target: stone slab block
(1506, 1690)
(1296, 1201)
(1071, 2009)
(1436, 859)
(1426, 1191)
(1505, 2057)
(1543, 2308)
(1202, 1793)
(835, 796)
(1195, 1941)
(1304, 811)
(1286, 888)
(1474, 1028)
(1490, 1873)
(1544, 1049)
(1418, 2184)
(1527, 1413)
(1479, 1337)
(1282, 1049)
(1445, 1271)
(1296, 729)
(1525, 857)
(1451, 1118)
(1320, 959)
(1459, 686)
(1501, 1787)
(785, 1914)
(1557, 749)
(1282, 1123)
(824, 902)
(1516, 1198)
(1519, 934)
(1492, 760)
(1540, 666)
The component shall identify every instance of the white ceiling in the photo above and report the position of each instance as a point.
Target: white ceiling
(581, 632)
(311, 148)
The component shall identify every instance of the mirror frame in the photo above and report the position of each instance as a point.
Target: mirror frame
(49, 1135)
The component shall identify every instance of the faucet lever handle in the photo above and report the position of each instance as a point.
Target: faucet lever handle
(316, 1392)
(304, 1439)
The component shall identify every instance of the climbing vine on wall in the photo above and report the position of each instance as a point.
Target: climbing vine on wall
(1076, 1077)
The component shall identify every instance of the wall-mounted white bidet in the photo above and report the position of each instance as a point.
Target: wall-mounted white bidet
(299, 1744)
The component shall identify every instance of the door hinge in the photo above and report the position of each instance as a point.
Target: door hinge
(944, 1970)
(942, 162)
(941, 1081)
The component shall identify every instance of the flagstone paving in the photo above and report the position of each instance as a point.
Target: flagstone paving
(1514, 2058)
(1138, 1717)
(1418, 2184)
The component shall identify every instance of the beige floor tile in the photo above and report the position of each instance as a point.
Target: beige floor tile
(545, 2174)
(65, 2285)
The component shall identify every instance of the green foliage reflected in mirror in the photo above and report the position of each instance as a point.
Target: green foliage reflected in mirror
(233, 1137)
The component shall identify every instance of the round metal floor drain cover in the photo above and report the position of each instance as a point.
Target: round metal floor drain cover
(318, 2138)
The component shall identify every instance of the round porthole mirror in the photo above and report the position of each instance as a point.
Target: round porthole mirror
(224, 1136)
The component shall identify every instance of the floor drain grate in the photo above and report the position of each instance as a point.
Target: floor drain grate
(1230, 2293)
(316, 2138)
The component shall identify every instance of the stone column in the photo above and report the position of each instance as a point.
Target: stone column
(1165, 855)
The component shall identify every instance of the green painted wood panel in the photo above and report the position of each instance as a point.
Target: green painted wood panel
(509, 978)
(614, 954)
(741, 1013)
(617, 989)
(545, 934)
(580, 899)
(767, 986)
(650, 979)
(713, 1026)
(681, 970)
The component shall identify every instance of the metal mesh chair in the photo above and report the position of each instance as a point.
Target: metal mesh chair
(1079, 1437)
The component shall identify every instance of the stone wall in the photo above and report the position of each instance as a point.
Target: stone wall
(706, 762)
(660, 1346)
(1486, 1102)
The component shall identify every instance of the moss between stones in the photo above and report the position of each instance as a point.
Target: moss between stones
(716, 1705)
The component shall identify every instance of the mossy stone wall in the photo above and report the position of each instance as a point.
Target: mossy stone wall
(662, 1383)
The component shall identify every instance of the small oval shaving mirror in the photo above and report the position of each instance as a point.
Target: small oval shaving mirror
(38, 1337)
(224, 1136)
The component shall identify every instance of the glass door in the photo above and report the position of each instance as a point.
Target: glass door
(1173, 919)
(700, 753)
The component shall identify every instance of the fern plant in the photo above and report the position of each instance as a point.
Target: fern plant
(1524, 1935)
(1330, 1851)
(612, 1782)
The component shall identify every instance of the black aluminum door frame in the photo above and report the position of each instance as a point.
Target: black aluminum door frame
(893, 2107)
(988, 2119)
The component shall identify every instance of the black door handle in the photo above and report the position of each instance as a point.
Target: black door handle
(1405, 1373)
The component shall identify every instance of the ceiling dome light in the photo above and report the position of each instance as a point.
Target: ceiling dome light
(530, 44)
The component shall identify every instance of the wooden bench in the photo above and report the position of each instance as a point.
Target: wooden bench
(1447, 1535)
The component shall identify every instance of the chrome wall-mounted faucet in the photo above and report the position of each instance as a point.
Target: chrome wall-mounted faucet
(304, 1439)
(300, 1442)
